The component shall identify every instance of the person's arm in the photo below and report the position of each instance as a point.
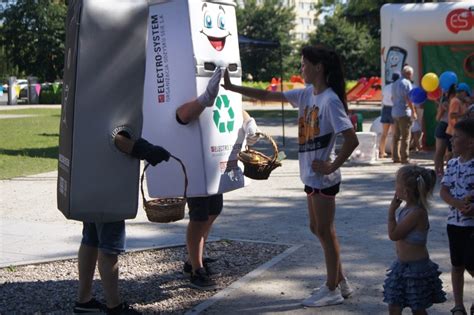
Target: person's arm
(441, 110)
(398, 231)
(259, 94)
(350, 143)
(191, 110)
(414, 115)
(445, 194)
(250, 128)
(141, 149)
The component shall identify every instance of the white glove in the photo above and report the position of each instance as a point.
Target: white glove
(251, 130)
(207, 98)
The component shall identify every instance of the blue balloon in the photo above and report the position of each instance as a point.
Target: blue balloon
(417, 95)
(446, 79)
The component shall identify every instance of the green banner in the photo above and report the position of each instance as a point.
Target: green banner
(438, 58)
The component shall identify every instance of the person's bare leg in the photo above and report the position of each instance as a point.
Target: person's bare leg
(394, 309)
(419, 312)
(324, 209)
(457, 280)
(195, 242)
(383, 139)
(313, 223)
(439, 156)
(86, 262)
(210, 222)
(109, 273)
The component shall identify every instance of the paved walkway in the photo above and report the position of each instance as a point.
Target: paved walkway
(32, 229)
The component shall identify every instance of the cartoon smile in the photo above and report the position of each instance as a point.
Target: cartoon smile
(217, 42)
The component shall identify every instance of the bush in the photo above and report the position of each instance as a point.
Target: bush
(48, 95)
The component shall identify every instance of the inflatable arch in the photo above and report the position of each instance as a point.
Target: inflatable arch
(431, 37)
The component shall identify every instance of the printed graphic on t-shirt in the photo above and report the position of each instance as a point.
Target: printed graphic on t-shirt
(309, 138)
(459, 178)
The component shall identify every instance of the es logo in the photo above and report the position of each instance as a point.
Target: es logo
(224, 115)
(460, 20)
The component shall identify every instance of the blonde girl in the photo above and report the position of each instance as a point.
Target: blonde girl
(413, 279)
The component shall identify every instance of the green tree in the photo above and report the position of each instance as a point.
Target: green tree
(269, 21)
(33, 36)
(353, 43)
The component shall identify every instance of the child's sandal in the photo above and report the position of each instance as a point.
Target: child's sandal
(459, 310)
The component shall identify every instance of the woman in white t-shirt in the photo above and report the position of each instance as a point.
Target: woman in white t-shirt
(322, 115)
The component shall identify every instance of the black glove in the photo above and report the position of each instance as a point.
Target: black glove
(153, 154)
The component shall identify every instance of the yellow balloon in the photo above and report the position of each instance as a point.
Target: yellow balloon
(430, 82)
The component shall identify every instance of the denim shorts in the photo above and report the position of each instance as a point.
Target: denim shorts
(327, 192)
(386, 115)
(108, 237)
(200, 208)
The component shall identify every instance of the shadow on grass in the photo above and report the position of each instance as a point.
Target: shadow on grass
(49, 134)
(49, 153)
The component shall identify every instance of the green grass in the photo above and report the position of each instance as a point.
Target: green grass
(29, 145)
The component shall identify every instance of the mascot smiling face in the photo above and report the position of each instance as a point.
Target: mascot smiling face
(214, 31)
(214, 25)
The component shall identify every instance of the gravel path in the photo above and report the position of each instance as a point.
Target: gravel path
(150, 280)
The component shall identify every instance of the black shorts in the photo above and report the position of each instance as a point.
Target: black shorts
(461, 246)
(329, 192)
(440, 131)
(200, 208)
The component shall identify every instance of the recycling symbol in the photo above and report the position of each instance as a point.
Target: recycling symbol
(224, 115)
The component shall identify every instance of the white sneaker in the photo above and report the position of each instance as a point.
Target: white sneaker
(346, 289)
(324, 297)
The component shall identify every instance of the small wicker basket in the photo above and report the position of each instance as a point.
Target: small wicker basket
(256, 164)
(165, 210)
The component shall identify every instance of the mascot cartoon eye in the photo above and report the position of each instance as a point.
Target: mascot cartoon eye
(207, 20)
(395, 59)
(221, 21)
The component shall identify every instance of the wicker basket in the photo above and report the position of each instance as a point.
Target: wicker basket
(256, 164)
(165, 210)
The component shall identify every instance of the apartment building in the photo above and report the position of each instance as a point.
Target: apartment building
(305, 19)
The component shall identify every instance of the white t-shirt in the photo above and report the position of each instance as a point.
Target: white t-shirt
(459, 178)
(387, 95)
(320, 118)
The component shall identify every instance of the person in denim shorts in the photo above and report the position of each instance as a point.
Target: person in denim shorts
(386, 115)
(103, 242)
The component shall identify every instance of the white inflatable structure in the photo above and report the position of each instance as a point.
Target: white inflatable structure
(406, 27)
(431, 37)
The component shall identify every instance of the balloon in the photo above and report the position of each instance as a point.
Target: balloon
(464, 87)
(435, 95)
(417, 95)
(446, 79)
(430, 82)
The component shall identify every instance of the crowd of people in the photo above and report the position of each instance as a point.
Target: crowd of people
(412, 280)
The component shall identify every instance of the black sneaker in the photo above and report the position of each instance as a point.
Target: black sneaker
(122, 309)
(93, 306)
(201, 280)
(188, 268)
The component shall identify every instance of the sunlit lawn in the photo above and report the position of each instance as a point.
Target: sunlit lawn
(28, 145)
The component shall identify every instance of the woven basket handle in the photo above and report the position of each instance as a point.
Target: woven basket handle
(275, 148)
(185, 178)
